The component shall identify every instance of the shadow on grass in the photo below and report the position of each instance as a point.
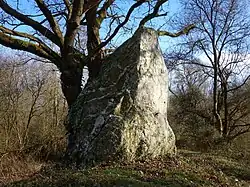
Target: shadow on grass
(239, 173)
(107, 177)
(116, 183)
(233, 168)
(189, 170)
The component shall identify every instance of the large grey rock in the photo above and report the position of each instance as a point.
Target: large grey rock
(123, 113)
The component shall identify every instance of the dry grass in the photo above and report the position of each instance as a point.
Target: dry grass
(20, 165)
(187, 169)
(16, 166)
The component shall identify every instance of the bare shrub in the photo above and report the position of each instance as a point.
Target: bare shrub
(32, 109)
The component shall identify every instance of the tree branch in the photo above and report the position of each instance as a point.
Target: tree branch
(53, 23)
(186, 30)
(30, 22)
(39, 42)
(239, 86)
(20, 34)
(68, 6)
(102, 13)
(154, 13)
(130, 11)
(18, 44)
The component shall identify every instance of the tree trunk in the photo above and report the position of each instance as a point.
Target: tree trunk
(216, 111)
(71, 72)
(225, 92)
(96, 57)
(71, 81)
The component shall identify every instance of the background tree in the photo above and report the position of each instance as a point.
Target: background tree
(190, 107)
(220, 40)
(32, 106)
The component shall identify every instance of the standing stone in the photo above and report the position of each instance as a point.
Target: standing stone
(122, 115)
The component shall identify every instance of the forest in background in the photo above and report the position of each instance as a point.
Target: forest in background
(33, 111)
(209, 86)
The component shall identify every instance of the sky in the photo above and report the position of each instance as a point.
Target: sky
(172, 6)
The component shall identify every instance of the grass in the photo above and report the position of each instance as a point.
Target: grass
(187, 169)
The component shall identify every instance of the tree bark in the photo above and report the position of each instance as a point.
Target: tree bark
(225, 102)
(71, 81)
(96, 57)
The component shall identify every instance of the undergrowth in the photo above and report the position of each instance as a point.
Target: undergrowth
(187, 169)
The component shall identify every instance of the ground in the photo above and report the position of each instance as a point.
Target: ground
(187, 169)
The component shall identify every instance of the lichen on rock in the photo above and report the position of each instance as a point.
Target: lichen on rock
(122, 114)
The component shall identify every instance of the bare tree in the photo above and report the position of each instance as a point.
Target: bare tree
(220, 40)
(32, 105)
(51, 32)
(10, 97)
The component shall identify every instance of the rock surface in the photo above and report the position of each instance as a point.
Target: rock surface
(122, 115)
